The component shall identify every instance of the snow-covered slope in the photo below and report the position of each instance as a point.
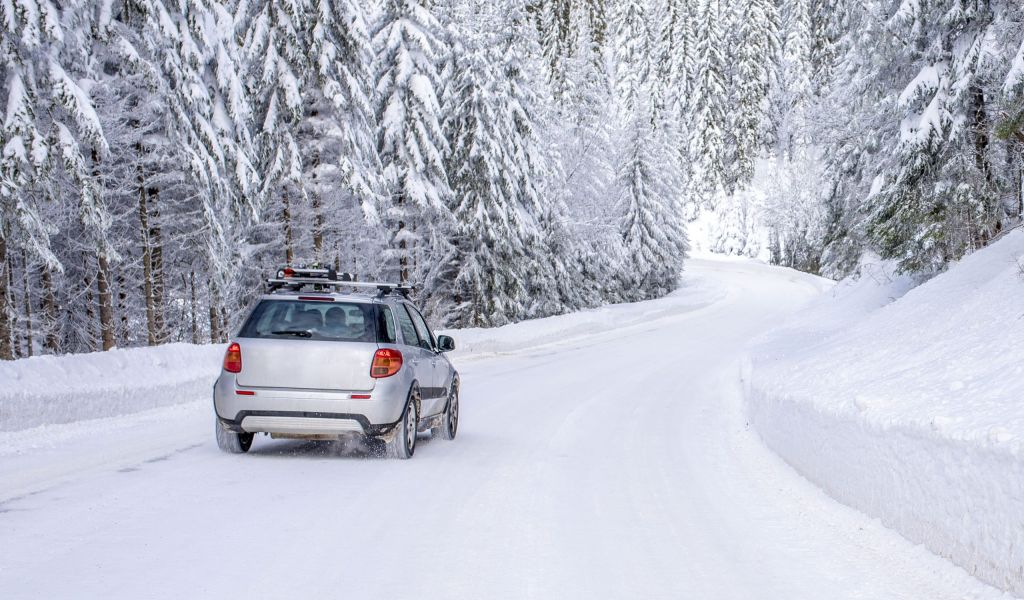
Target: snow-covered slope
(45, 390)
(911, 410)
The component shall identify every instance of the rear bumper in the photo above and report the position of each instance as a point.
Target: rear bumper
(303, 423)
(313, 412)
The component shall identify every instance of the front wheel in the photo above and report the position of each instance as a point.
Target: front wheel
(449, 425)
(231, 442)
(403, 441)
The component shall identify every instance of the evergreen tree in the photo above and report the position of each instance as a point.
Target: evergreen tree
(410, 141)
(652, 230)
(940, 197)
(757, 41)
(488, 257)
(707, 169)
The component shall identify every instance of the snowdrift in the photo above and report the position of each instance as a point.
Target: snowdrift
(46, 390)
(908, 403)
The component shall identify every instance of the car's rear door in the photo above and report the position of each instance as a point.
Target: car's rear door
(434, 398)
(308, 344)
(416, 354)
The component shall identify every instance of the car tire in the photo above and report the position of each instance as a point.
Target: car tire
(231, 442)
(449, 425)
(402, 444)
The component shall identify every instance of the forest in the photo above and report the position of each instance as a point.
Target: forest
(512, 158)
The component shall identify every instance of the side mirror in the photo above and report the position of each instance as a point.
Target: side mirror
(445, 343)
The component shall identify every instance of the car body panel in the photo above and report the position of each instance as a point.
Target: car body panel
(306, 364)
(295, 386)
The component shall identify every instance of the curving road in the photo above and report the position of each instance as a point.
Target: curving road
(615, 465)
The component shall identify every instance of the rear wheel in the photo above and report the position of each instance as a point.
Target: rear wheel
(231, 442)
(449, 424)
(403, 442)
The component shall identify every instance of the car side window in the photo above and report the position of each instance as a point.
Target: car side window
(426, 337)
(405, 325)
(386, 325)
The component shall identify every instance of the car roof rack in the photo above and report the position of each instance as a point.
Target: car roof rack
(294, 279)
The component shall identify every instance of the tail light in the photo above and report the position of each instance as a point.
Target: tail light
(233, 359)
(386, 362)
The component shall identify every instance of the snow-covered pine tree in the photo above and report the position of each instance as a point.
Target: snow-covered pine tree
(853, 127)
(652, 229)
(33, 37)
(503, 265)
(336, 137)
(707, 169)
(193, 59)
(489, 246)
(558, 40)
(756, 42)
(275, 55)
(675, 69)
(791, 98)
(828, 18)
(940, 199)
(587, 163)
(1010, 127)
(410, 140)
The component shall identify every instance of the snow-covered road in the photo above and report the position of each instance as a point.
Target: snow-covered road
(615, 465)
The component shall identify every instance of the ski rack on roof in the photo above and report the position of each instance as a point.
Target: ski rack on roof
(293, 279)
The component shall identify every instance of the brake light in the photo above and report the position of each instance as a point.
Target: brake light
(289, 272)
(233, 359)
(386, 362)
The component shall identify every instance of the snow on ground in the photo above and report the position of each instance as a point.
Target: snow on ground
(45, 390)
(616, 464)
(694, 293)
(906, 402)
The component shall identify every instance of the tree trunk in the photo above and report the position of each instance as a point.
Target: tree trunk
(1020, 195)
(29, 342)
(403, 258)
(157, 247)
(981, 135)
(89, 336)
(122, 310)
(52, 341)
(13, 294)
(194, 318)
(214, 319)
(106, 303)
(147, 264)
(318, 228)
(286, 218)
(6, 347)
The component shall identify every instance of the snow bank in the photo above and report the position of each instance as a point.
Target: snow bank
(62, 389)
(908, 404)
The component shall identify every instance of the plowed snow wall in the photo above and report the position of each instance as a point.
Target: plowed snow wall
(47, 390)
(960, 500)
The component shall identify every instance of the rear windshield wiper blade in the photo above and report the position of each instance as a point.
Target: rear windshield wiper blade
(295, 332)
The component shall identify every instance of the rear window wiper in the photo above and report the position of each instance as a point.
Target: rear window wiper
(295, 332)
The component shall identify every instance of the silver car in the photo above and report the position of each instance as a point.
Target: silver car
(311, 362)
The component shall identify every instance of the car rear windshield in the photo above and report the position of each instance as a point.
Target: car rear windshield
(312, 320)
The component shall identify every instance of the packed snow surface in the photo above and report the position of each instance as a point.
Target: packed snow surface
(907, 404)
(602, 455)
